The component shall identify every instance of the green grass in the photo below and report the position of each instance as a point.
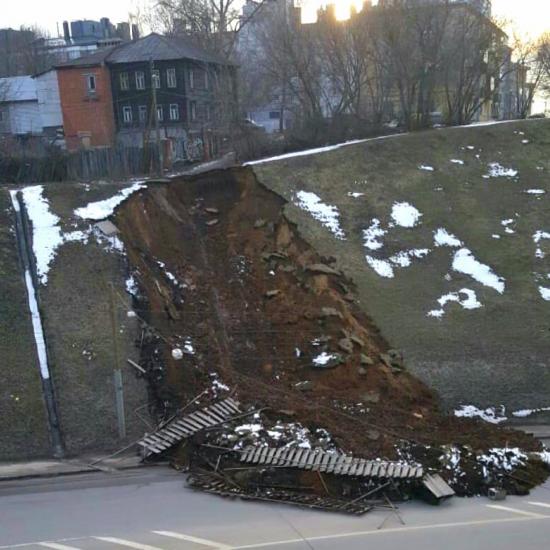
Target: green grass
(496, 354)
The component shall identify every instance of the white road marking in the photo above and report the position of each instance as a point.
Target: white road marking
(129, 543)
(542, 504)
(57, 546)
(197, 540)
(535, 517)
(514, 511)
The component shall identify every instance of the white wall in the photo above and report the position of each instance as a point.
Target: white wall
(49, 102)
(24, 117)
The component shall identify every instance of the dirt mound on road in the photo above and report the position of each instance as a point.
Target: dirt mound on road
(232, 298)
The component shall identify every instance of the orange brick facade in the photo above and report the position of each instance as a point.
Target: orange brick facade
(88, 115)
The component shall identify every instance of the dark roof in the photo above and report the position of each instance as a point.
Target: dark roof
(161, 48)
(93, 60)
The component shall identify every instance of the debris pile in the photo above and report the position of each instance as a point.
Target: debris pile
(245, 308)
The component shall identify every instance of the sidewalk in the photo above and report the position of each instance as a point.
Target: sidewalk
(52, 468)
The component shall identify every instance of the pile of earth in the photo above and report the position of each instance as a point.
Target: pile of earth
(232, 299)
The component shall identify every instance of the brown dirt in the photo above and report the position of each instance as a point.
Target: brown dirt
(215, 234)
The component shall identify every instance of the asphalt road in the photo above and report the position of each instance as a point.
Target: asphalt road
(152, 509)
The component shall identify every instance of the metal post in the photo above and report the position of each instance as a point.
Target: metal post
(119, 388)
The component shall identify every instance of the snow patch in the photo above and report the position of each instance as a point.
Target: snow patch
(524, 413)
(356, 195)
(443, 238)
(324, 359)
(498, 171)
(535, 192)
(493, 415)
(426, 168)
(103, 209)
(545, 293)
(382, 267)
(470, 301)
(372, 235)
(405, 214)
(465, 262)
(404, 258)
(457, 161)
(328, 215)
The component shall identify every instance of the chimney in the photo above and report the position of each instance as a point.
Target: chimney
(135, 32)
(66, 31)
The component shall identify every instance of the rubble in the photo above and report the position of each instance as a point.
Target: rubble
(284, 356)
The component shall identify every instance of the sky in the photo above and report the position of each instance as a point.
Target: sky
(530, 16)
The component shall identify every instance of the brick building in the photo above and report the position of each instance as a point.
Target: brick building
(87, 101)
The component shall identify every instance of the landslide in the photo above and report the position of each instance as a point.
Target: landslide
(227, 279)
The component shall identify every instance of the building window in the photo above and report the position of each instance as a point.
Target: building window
(275, 115)
(174, 112)
(198, 79)
(193, 110)
(127, 114)
(91, 83)
(171, 79)
(208, 112)
(140, 80)
(124, 81)
(155, 77)
(160, 113)
(143, 113)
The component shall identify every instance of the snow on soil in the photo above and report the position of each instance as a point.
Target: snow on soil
(323, 359)
(355, 195)
(493, 415)
(131, 286)
(372, 235)
(524, 413)
(443, 238)
(405, 215)
(545, 293)
(498, 171)
(535, 192)
(404, 258)
(537, 238)
(101, 210)
(507, 459)
(47, 235)
(470, 301)
(465, 262)
(426, 168)
(457, 161)
(328, 215)
(382, 267)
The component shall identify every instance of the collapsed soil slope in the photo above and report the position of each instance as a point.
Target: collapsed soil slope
(231, 297)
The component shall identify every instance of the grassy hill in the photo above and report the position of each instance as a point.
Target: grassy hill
(447, 235)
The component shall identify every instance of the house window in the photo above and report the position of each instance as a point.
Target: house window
(198, 79)
(127, 114)
(208, 112)
(140, 80)
(160, 113)
(155, 77)
(174, 112)
(171, 78)
(275, 115)
(193, 110)
(143, 113)
(124, 81)
(91, 83)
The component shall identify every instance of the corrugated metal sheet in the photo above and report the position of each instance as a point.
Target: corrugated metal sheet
(17, 88)
(437, 486)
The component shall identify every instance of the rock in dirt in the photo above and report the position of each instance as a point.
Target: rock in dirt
(268, 256)
(322, 268)
(305, 386)
(212, 222)
(362, 371)
(212, 210)
(346, 345)
(258, 224)
(371, 397)
(330, 312)
(366, 360)
(272, 293)
(356, 340)
(373, 435)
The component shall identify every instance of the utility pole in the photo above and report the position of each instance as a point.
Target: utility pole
(156, 115)
(119, 388)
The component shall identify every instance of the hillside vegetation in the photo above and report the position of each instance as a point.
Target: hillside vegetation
(446, 234)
